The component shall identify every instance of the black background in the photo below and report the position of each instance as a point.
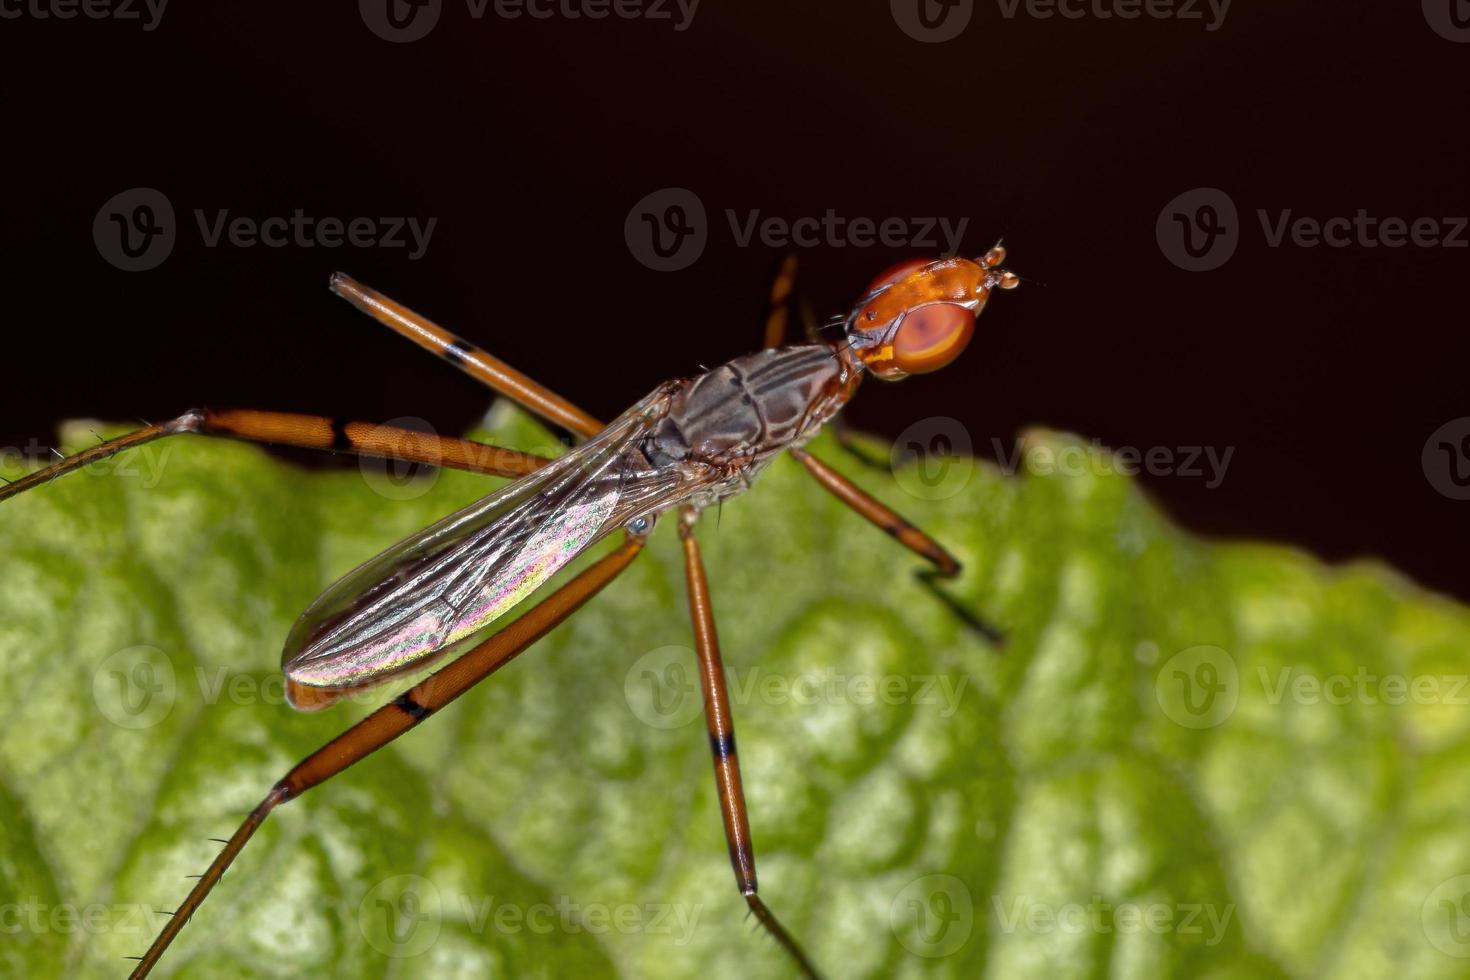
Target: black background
(530, 141)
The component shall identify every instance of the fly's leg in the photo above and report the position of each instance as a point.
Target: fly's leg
(395, 718)
(842, 432)
(364, 438)
(780, 302)
(467, 357)
(880, 514)
(945, 565)
(307, 432)
(722, 744)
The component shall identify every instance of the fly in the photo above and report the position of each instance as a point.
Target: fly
(689, 444)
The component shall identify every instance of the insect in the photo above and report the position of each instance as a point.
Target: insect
(687, 445)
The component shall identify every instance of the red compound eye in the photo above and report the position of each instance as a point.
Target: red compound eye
(931, 336)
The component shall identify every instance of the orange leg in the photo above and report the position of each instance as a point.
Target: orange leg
(466, 356)
(780, 302)
(320, 432)
(721, 727)
(945, 564)
(308, 432)
(395, 718)
(879, 514)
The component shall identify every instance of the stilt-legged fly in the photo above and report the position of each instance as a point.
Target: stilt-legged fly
(688, 444)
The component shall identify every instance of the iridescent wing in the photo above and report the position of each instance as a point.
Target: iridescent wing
(457, 576)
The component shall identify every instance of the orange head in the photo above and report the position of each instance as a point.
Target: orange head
(920, 315)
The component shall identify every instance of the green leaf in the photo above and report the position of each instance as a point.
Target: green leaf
(1139, 782)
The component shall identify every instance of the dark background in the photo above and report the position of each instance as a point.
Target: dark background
(530, 141)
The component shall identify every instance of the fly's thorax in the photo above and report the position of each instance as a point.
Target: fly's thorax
(753, 407)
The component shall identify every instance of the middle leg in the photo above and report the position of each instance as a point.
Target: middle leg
(721, 728)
